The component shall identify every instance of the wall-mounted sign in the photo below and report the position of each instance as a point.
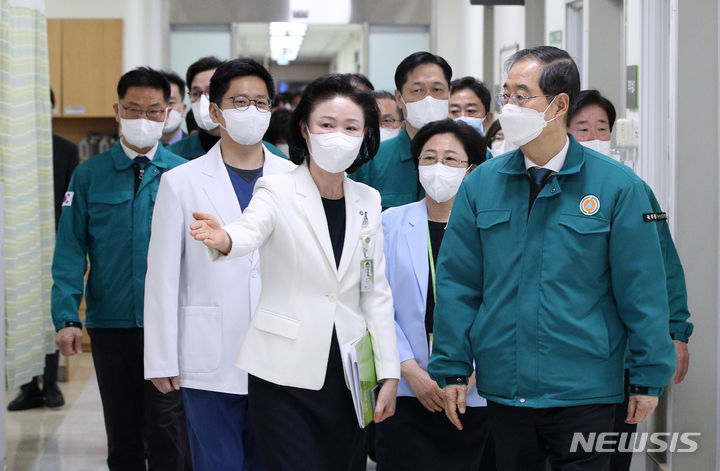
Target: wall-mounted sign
(631, 92)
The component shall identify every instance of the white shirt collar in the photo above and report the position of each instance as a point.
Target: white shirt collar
(132, 154)
(556, 163)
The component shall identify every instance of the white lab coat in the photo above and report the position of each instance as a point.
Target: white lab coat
(304, 294)
(196, 311)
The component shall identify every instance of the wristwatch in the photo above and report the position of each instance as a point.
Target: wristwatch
(73, 324)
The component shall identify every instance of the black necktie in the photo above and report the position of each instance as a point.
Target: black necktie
(538, 176)
(139, 167)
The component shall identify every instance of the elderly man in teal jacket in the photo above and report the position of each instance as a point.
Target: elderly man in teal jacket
(550, 267)
(105, 220)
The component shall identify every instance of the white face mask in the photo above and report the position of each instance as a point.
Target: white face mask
(521, 125)
(599, 146)
(201, 113)
(284, 148)
(502, 146)
(141, 133)
(246, 127)
(476, 123)
(388, 133)
(441, 182)
(173, 122)
(425, 111)
(334, 152)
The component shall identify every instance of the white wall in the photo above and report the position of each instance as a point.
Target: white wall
(457, 32)
(509, 29)
(191, 43)
(554, 19)
(387, 46)
(345, 62)
(144, 25)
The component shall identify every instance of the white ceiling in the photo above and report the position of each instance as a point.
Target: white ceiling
(321, 42)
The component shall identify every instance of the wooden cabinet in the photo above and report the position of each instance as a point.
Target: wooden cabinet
(85, 65)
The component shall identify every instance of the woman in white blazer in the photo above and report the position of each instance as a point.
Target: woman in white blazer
(315, 229)
(419, 436)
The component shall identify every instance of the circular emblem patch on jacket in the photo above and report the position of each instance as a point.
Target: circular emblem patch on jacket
(590, 205)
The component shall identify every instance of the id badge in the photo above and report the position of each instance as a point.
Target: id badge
(367, 275)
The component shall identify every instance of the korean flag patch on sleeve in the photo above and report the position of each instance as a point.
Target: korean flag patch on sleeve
(67, 200)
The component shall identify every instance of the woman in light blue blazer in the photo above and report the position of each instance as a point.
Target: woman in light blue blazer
(419, 436)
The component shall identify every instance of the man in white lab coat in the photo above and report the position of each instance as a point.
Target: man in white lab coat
(197, 311)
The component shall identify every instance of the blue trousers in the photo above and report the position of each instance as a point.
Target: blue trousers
(220, 432)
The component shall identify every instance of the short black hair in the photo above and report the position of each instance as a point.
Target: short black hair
(474, 144)
(201, 65)
(241, 67)
(172, 77)
(592, 97)
(325, 88)
(360, 79)
(278, 127)
(385, 95)
(560, 73)
(419, 58)
(474, 85)
(143, 77)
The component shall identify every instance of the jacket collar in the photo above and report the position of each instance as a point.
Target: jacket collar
(416, 237)
(122, 162)
(515, 162)
(403, 142)
(312, 205)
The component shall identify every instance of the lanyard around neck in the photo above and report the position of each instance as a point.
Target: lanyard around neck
(432, 266)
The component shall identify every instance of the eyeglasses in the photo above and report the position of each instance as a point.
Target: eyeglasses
(449, 161)
(388, 122)
(196, 93)
(516, 99)
(152, 115)
(242, 103)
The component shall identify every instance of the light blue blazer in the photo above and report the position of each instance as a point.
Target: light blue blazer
(406, 254)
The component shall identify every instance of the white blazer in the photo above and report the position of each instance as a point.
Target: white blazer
(303, 293)
(197, 311)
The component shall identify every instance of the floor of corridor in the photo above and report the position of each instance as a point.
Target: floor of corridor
(69, 438)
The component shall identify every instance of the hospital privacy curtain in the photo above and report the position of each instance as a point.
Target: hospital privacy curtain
(26, 176)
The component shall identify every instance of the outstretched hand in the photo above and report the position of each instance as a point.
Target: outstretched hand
(207, 229)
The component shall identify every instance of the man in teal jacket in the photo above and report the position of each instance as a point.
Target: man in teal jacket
(106, 219)
(423, 88)
(550, 266)
(590, 121)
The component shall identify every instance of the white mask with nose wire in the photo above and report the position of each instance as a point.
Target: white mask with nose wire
(427, 110)
(201, 113)
(334, 152)
(441, 182)
(521, 125)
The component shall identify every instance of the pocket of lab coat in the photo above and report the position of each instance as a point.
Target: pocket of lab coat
(200, 339)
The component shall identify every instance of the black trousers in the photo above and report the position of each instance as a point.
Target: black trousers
(140, 421)
(525, 438)
(300, 429)
(620, 461)
(416, 439)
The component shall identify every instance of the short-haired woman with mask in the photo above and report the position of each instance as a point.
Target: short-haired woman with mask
(316, 230)
(419, 436)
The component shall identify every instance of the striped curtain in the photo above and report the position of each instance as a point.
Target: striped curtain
(26, 177)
